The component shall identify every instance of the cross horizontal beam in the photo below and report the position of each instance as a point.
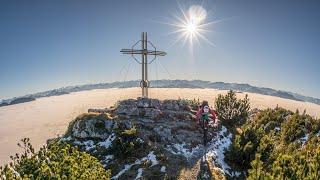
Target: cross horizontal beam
(147, 52)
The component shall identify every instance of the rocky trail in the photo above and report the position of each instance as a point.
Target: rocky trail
(151, 139)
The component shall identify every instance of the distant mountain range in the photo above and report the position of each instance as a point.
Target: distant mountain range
(163, 84)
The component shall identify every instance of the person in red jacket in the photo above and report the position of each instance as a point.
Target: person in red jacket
(204, 108)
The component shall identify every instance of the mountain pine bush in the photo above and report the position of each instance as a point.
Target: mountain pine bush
(125, 143)
(57, 160)
(277, 144)
(232, 111)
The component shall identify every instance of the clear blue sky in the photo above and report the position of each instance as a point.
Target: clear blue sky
(51, 44)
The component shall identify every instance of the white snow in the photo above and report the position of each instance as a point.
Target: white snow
(236, 173)
(140, 140)
(216, 150)
(181, 149)
(304, 139)
(107, 143)
(277, 128)
(88, 144)
(163, 169)
(150, 157)
(126, 168)
(107, 159)
(139, 175)
(15, 173)
(66, 139)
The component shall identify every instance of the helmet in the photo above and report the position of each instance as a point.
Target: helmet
(204, 103)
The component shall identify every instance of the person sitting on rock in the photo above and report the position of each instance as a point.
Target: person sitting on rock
(204, 108)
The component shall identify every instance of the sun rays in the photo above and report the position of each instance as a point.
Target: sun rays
(191, 26)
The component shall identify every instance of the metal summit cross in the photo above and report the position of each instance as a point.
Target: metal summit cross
(144, 83)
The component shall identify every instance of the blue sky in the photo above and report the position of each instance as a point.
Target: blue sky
(51, 44)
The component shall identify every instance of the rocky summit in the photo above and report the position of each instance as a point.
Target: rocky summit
(152, 139)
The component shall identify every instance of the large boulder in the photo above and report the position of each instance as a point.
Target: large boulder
(163, 132)
(143, 102)
(170, 105)
(152, 113)
(176, 105)
(91, 127)
(148, 103)
(155, 103)
(128, 107)
(177, 115)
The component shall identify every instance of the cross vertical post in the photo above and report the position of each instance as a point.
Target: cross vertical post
(144, 83)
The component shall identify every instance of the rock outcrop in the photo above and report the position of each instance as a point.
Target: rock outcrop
(147, 138)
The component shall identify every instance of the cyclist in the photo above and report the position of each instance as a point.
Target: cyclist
(205, 109)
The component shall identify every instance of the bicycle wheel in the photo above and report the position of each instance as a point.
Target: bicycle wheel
(205, 136)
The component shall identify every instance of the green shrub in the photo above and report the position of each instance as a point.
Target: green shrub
(300, 165)
(125, 143)
(297, 126)
(269, 146)
(57, 160)
(232, 111)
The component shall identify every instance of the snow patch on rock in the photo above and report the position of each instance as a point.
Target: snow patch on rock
(151, 157)
(126, 168)
(217, 148)
(107, 160)
(69, 138)
(163, 169)
(304, 139)
(181, 149)
(107, 143)
(139, 175)
(88, 145)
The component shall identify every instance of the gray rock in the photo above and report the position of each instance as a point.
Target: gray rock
(184, 105)
(108, 125)
(164, 133)
(130, 110)
(143, 102)
(92, 128)
(145, 120)
(182, 115)
(155, 103)
(148, 103)
(152, 113)
(170, 105)
(183, 135)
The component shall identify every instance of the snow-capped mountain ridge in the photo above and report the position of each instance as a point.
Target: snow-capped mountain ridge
(164, 84)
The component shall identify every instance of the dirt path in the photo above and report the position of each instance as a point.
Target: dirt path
(190, 173)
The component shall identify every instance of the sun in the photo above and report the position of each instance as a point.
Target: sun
(192, 25)
(191, 28)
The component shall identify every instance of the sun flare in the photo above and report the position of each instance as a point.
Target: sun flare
(191, 25)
